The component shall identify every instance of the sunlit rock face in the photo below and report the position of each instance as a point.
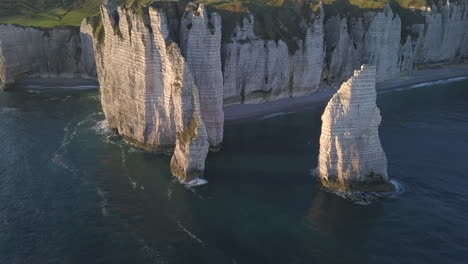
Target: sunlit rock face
(188, 161)
(148, 91)
(135, 78)
(351, 156)
(44, 53)
(201, 48)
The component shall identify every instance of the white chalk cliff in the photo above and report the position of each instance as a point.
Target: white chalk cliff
(351, 156)
(258, 70)
(46, 53)
(149, 93)
(201, 47)
(188, 160)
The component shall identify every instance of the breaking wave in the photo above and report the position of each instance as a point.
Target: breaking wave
(275, 115)
(101, 127)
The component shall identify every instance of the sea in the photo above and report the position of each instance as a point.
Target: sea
(71, 191)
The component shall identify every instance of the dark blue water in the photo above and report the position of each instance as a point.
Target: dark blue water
(71, 192)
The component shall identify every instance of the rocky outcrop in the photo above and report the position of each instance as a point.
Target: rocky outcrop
(201, 48)
(45, 53)
(188, 161)
(351, 157)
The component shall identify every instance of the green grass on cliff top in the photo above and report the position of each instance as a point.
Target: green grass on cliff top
(48, 13)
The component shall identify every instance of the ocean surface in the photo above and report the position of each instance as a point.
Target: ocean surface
(72, 192)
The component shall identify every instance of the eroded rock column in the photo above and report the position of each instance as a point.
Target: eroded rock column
(201, 47)
(188, 161)
(351, 157)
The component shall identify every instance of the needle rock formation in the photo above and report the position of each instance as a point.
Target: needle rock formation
(351, 157)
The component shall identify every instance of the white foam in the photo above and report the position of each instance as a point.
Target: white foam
(101, 127)
(8, 110)
(103, 203)
(439, 82)
(196, 182)
(275, 115)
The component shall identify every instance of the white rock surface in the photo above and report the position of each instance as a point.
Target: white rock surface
(342, 51)
(309, 59)
(351, 156)
(442, 36)
(133, 72)
(188, 161)
(45, 53)
(382, 44)
(149, 93)
(257, 70)
(201, 47)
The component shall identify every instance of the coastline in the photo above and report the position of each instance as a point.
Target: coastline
(429, 74)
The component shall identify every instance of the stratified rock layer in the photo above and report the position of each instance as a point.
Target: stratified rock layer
(201, 47)
(148, 90)
(135, 78)
(351, 156)
(257, 70)
(45, 53)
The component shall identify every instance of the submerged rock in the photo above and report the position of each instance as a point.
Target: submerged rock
(351, 157)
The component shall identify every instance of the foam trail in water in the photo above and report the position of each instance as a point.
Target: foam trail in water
(103, 203)
(70, 133)
(439, 82)
(190, 234)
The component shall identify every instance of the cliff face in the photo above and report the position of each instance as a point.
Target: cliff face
(351, 156)
(149, 88)
(257, 70)
(134, 75)
(45, 53)
(373, 39)
(200, 36)
(441, 38)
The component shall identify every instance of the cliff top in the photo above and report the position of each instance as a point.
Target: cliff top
(49, 13)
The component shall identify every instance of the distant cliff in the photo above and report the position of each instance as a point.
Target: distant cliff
(44, 52)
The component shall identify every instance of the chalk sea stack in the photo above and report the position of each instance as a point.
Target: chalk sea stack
(188, 161)
(351, 157)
